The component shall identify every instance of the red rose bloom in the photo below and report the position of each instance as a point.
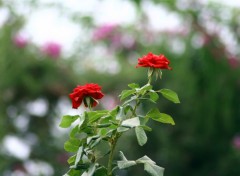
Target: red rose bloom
(154, 61)
(80, 93)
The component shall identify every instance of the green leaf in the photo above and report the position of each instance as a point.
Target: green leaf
(74, 131)
(71, 160)
(114, 111)
(133, 122)
(122, 156)
(153, 169)
(165, 118)
(71, 145)
(101, 171)
(131, 99)
(143, 120)
(91, 138)
(146, 128)
(145, 159)
(154, 114)
(126, 93)
(170, 95)
(141, 136)
(72, 172)
(67, 120)
(123, 129)
(102, 132)
(145, 88)
(120, 115)
(93, 116)
(104, 125)
(78, 156)
(96, 142)
(124, 163)
(133, 85)
(90, 170)
(127, 108)
(153, 96)
(82, 120)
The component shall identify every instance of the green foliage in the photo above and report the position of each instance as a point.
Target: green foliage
(96, 127)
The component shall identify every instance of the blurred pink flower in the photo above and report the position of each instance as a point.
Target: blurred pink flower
(104, 31)
(109, 102)
(52, 49)
(128, 42)
(236, 142)
(20, 41)
(233, 62)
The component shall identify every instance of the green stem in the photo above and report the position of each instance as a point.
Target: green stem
(135, 108)
(149, 79)
(110, 159)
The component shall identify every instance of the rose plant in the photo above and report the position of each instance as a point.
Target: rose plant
(92, 129)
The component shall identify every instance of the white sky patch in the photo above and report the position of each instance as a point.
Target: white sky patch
(16, 147)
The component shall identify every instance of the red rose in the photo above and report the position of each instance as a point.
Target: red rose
(154, 61)
(80, 93)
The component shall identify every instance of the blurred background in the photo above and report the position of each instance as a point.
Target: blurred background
(48, 47)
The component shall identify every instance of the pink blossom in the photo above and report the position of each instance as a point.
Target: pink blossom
(236, 142)
(52, 49)
(104, 31)
(20, 41)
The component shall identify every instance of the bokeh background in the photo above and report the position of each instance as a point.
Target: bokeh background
(48, 47)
